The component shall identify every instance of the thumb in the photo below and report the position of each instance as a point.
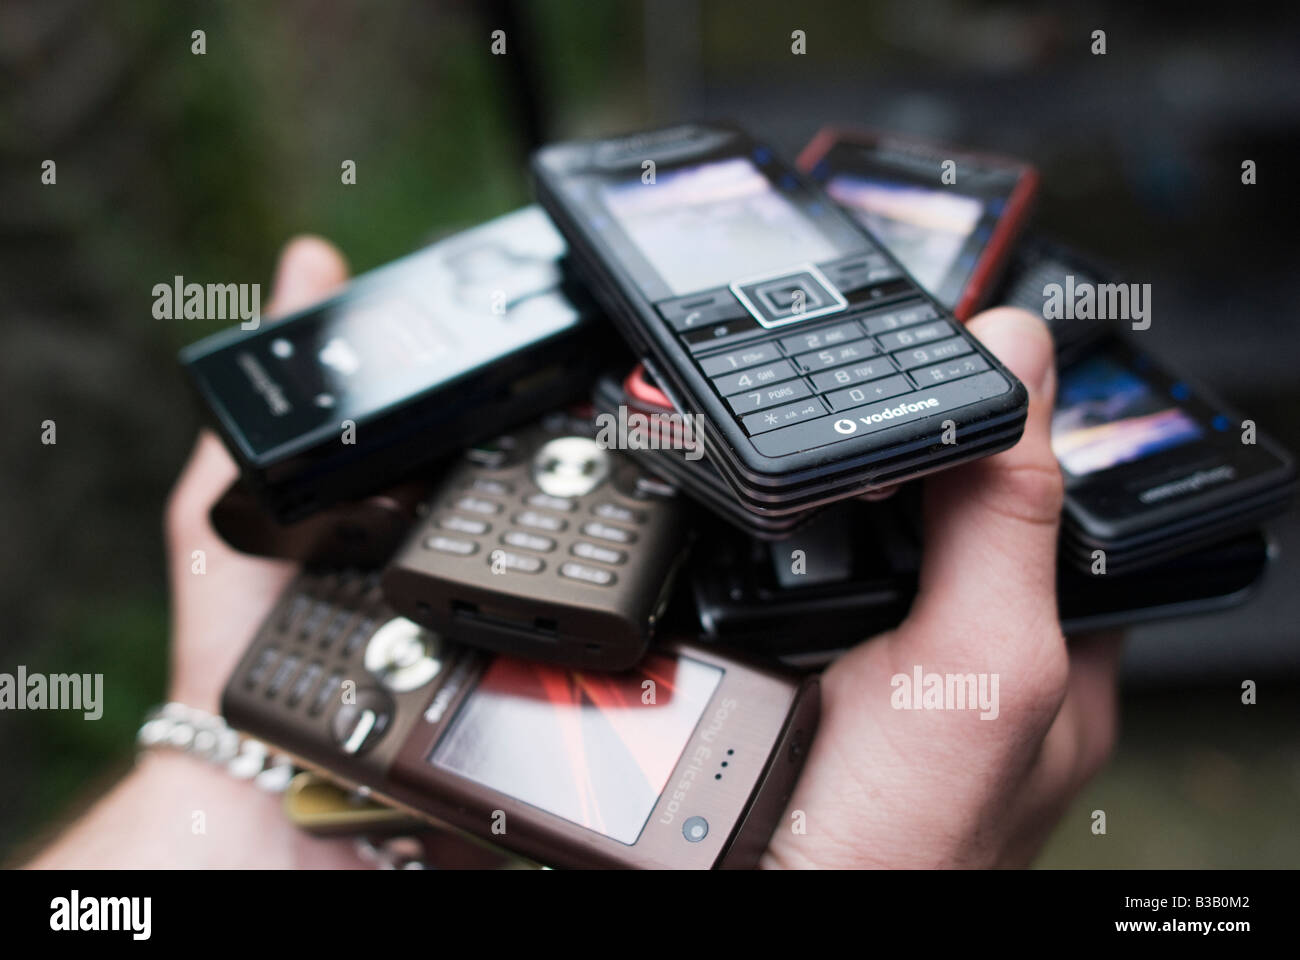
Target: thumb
(991, 525)
(310, 269)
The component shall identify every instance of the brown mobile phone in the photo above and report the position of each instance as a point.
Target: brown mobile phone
(544, 544)
(685, 761)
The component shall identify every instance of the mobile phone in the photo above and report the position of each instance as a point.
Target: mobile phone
(1154, 465)
(820, 368)
(361, 532)
(853, 571)
(950, 215)
(547, 545)
(686, 761)
(662, 450)
(1039, 262)
(448, 345)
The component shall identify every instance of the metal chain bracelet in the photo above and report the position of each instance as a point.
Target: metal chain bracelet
(179, 727)
(210, 738)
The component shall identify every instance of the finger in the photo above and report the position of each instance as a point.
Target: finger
(206, 475)
(310, 268)
(989, 564)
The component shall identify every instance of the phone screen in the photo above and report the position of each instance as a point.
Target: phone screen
(396, 332)
(708, 224)
(927, 229)
(1107, 414)
(595, 749)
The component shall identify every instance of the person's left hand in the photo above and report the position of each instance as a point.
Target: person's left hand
(216, 612)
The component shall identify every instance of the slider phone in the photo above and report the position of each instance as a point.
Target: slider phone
(819, 365)
(685, 761)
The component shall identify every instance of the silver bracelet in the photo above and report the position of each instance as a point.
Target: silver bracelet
(210, 738)
(178, 727)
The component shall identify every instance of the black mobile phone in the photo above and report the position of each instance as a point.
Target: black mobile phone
(820, 368)
(545, 544)
(853, 572)
(686, 761)
(950, 215)
(446, 346)
(1154, 465)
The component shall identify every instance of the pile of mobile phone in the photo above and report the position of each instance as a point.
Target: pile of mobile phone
(572, 487)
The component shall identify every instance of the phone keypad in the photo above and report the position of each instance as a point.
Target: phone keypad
(537, 524)
(791, 386)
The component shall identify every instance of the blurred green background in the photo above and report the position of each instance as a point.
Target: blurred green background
(171, 163)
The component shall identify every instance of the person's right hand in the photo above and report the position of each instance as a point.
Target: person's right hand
(887, 787)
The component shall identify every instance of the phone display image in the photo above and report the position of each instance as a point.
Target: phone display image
(1106, 414)
(925, 228)
(1154, 466)
(705, 225)
(950, 216)
(586, 747)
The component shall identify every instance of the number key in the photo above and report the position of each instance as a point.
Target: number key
(835, 356)
(753, 379)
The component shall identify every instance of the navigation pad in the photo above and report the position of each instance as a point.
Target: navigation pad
(789, 297)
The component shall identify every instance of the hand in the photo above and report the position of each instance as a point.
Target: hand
(148, 819)
(216, 613)
(887, 787)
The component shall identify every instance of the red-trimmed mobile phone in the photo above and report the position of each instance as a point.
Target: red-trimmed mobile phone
(950, 215)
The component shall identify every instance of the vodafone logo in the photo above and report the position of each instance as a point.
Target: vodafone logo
(845, 426)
